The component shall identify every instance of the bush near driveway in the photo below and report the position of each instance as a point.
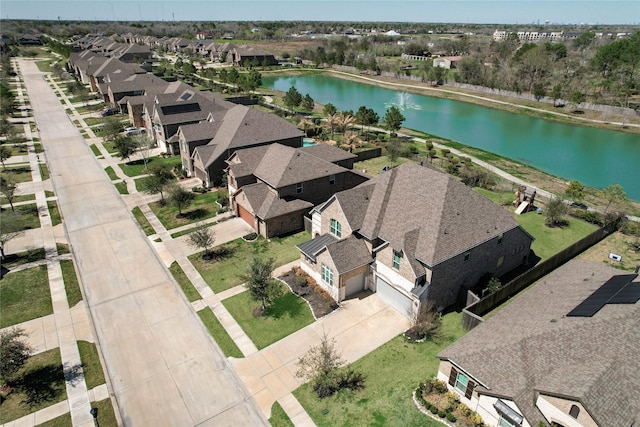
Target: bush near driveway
(392, 371)
(286, 315)
(224, 271)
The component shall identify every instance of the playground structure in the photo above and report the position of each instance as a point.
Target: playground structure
(524, 201)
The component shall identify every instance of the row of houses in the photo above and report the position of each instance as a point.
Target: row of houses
(551, 36)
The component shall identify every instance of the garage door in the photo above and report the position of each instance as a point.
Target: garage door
(394, 297)
(354, 285)
(246, 216)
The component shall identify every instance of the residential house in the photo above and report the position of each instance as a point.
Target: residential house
(137, 105)
(241, 127)
(243, 56)
(134, 85)
(272, 187)
(447, 61)
(427, 237)
(563, 353)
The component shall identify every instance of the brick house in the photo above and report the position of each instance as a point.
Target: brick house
(273, 186)
(563, 353)
(424, 235)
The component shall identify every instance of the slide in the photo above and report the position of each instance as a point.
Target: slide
(522, 208)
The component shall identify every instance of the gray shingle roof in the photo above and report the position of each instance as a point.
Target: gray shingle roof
(531, 345)
(199, 131)
(266, 204)
(349, 253)
(328, 153)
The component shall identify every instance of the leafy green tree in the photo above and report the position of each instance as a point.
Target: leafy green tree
(233, 76)
(307, 103)
(125, 147)
(248, 82)
(111, 128)
(539, 91)
(393, 119)
(157, 182)
(14, 353)
(614, 193)
(180, 198)
(5, 154)
(584, 41)
(554, 214)
(292, 98)
(575, 190)
(8, 189)
(556, 93)
(329, 109)
(258, 281)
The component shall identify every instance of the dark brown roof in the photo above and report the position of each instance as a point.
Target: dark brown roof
(531, 345)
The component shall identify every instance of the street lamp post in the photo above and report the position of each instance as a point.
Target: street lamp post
(94, 413)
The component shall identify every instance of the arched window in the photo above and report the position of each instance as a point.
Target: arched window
(574, 411)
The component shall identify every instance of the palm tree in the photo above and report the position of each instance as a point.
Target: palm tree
(344, 121)
(332, 121)
(351, 140)
(306, 125)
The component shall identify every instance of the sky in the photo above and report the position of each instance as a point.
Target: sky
(454, 11)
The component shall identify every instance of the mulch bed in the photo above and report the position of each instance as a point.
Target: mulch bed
(319, 305)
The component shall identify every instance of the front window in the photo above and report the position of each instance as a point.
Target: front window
(336, 228)
(396, 260)
(462, 381)
(327, 275)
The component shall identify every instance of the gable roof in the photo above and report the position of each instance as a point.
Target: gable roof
(349, 254)
(198, 131)
(266, 204)
(530, 345)
(329, 153)
(429, 215)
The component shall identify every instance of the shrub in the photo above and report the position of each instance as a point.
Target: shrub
(476, 419)
(442, 414)
(440, 386)
(451, 417)
(301, 280)
(433, 409)
(223, 200)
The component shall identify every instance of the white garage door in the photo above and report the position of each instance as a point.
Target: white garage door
(394, 297)
(354, 285)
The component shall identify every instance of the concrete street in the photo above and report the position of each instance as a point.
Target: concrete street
(163, 366)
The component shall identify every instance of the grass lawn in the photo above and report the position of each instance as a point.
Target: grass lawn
(89, 108)
(106, 416)
(191, 230)
(44, 66)
(392, 372)
(44, 171)
(96, 150)
(617, 243)
(374, 166)
(279, 418)
(30, 216)
(224, 271)
(122, 187)
(146, 226)
(17, 199)
(551, 240)
(61, 421)
(185, 284)
(502, 199)
(48, 193)
(54, 212)
(71, 285)
(25, 257)
(18, 173)
(91, 366)
(90, 121)
(202, 207)
(288, 314)
(40, 383)
(219, 334)
(137, 168)
(62, 248)
(112, 174)
(25, 296)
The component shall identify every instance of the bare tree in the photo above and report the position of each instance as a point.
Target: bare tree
(14, 352)
(8, 189)
(203, 238)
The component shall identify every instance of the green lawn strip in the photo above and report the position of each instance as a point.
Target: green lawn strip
(91, 121)
(224, 271)
(551, 240)
(202, 207)
(18, 173)
(62, 248)
(18, 199)
(112, 174)
(375, 165)
(89, 108)
(44, 66)
(61, 421)
(25, 296)
(25, 257)
(219, 334)
(137, 168)
(392, 372)
(288, 314)
(54, 212)
(44, 171)
(39, 384)
(146, 226)
(29, 215)
(279, 418)
(71, 285)
(95, 150)
(48, 193)
(17, 149)
(122, 187)
(93, 374)
(106, 416)
(191, 230)
(185, 284)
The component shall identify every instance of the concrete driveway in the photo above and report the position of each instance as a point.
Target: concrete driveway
(163, 367)
(359, 326)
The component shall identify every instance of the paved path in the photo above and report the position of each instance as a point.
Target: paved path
(163, 367)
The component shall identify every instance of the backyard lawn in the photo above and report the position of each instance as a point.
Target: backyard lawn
(392, 372)
(219, 334)
(202, 207)
(288, 314)
(374, 166)
(136, 168)
(40, 383)
(224, 271)
(551, 240)
(25, 296)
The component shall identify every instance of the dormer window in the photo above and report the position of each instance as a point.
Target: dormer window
(335, 228)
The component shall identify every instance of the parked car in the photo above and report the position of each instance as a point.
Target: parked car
(579, 206)
(134, 131)
(109, 112)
